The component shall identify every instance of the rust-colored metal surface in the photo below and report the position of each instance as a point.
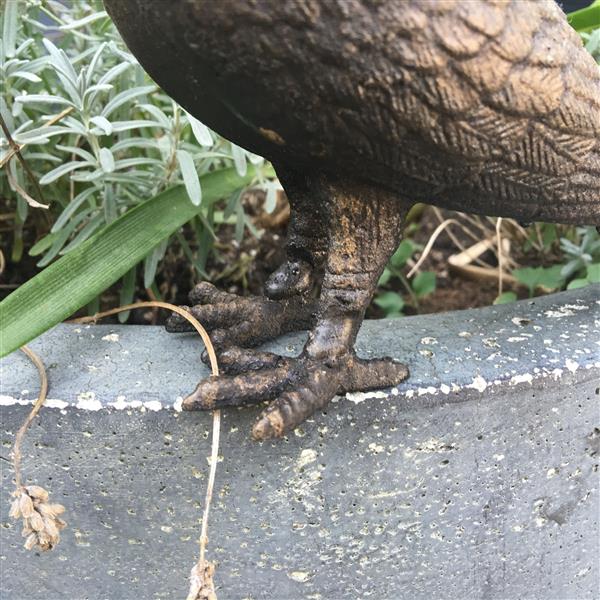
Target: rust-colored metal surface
(365, 106)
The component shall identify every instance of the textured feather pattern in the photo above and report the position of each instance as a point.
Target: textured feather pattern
(484, 106)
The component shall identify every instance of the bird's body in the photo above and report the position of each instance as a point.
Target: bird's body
(365, 106)
(489, 107)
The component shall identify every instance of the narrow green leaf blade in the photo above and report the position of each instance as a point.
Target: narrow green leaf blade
(585, 19)
(10, 27)
(200, 131)
(190, 176)
(79, 276)
(127, 292)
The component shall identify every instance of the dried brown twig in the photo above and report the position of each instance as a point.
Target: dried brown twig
(443, 226)
(430, 242)
(201, 577)
(454, 239)
(16, 148)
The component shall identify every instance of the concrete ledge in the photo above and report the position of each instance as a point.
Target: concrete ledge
(478, 477)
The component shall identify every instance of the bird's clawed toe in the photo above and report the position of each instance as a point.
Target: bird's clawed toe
(296, 387)
(237, 320)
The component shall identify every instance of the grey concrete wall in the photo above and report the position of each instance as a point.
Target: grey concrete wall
(476, 478)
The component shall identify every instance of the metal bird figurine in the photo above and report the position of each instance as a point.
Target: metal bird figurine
(365, 107)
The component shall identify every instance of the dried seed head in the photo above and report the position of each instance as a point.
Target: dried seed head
(50, 510)
(14, 512)
(37, 492)
(41, 524)
(31, 541)
(26, 505)
(45, 542)
(57, 509)
(51, 527)
(202, 586)
(35, 521)
(27, 531)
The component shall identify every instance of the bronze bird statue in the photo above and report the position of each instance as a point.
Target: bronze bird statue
(365, 107)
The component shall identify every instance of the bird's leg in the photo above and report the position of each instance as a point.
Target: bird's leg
(363, 231)
(306, 242)
(289, 303)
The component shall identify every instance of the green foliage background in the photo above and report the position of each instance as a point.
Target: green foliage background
(105, 150)
(120, 142)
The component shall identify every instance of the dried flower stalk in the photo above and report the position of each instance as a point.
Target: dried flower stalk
(41, 523)
(202, 586)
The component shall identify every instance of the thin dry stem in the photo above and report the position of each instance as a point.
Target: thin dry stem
(540, 240)
(444, 226)
(430, 243)
(201, 580)
(16, 451)
(15, 148)
(153, 298)
(31, 201)
(159, 304)
(476, 221)
(455, 240)
(41, 523)
(17, 151)
(500, 253)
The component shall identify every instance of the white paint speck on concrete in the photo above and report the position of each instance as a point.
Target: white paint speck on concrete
(153, 405)
(571, 365)
(479, 383)
(88, 401)
(55, 403)
(307, 456)
(299, 576)
(111, 337)
(524, 378)
(358, 397)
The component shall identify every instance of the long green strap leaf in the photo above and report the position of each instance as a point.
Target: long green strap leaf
(586, 19)
(74, 280)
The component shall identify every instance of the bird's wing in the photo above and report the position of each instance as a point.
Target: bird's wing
(497, 96)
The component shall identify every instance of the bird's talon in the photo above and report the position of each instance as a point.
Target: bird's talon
(296, 387)
(241, 321)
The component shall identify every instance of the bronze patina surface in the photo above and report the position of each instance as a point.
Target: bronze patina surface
(364, 107)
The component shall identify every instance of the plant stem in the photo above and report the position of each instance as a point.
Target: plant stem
(16, 452)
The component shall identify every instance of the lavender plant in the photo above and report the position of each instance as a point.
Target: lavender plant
(97, 137)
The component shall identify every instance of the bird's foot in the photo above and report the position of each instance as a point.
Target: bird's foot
(239, 321)
(296, 387)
